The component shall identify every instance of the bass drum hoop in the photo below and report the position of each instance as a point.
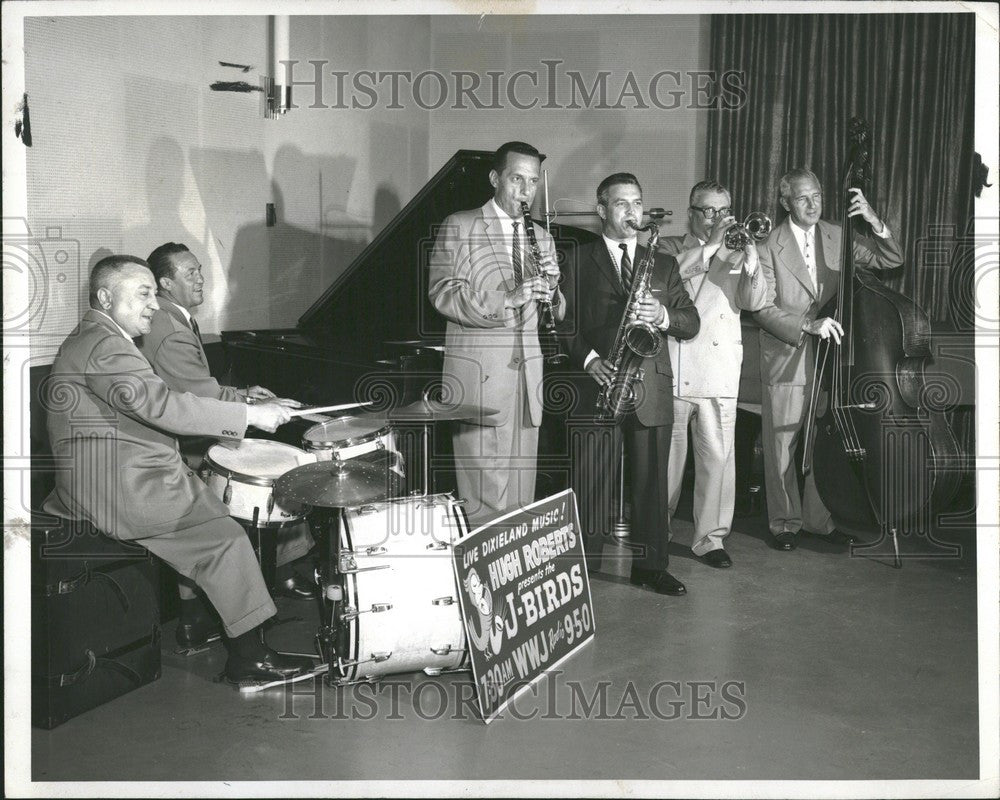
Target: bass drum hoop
(350, 587)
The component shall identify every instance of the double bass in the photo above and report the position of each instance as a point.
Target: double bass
(881, 452)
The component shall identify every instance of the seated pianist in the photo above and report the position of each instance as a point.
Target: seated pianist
(113, 423)
(174, 349)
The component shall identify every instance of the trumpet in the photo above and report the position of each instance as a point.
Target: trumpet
(756, 227)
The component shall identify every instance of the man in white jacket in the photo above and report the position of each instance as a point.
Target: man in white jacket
(706, 368)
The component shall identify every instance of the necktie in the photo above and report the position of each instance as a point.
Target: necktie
(515, 257)
(810, 257)
(626, 268)
(194, 327)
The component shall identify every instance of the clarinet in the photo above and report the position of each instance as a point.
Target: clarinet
(548, 338)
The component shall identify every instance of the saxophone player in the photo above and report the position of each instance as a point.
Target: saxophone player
(599, 296)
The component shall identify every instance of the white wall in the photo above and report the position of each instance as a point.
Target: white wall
(663, 148)
(131, 149)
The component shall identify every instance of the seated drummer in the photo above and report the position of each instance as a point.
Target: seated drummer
(174, 348)
(112, 424)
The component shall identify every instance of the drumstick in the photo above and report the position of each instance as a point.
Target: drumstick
(299, 412)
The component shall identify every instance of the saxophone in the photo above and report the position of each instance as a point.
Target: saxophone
(634, 341)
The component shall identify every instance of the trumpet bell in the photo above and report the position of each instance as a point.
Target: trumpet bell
(755, 228)
(758, 224)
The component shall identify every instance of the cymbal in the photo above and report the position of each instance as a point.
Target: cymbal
(333, 484)
(433, 411)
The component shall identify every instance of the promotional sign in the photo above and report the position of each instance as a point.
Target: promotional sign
(525, 597)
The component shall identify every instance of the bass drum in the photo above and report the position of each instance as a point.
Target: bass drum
(401, 610)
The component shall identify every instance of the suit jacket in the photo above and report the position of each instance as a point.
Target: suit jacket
(709, 364)
(111, 424)
(176, 354)
(596, 303)
(486, 343)
(786, 352)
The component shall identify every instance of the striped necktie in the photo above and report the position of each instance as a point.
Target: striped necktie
(515, 257)
(626, 268)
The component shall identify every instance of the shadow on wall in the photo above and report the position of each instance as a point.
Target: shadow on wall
(232, 185)
(607, 151)
(304, 261)
(385, 207)
(165, 172)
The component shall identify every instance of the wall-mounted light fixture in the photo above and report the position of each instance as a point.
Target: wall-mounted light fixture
(279, 92)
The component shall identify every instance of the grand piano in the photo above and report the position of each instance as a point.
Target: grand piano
(374, 336)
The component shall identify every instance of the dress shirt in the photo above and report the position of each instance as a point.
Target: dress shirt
(615, 251)
(804, 236)
(507, 226)
(186, 313)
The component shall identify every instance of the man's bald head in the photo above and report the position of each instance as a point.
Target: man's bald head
(124, 288)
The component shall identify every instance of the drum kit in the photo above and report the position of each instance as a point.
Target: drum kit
(389, 601)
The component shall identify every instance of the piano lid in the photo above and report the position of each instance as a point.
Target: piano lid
(382, 295)
(383, 292)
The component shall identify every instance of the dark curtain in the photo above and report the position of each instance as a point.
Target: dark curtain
(911, 77)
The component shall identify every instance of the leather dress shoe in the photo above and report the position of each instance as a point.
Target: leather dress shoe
(836, 536)
(272, 666)
(717, 558)
(783, 541)
(298, 588)
(197, 632)
(659, 580)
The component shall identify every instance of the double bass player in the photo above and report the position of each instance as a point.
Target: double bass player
(800, 262)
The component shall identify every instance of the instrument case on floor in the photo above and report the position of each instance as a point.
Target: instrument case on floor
(95, 620)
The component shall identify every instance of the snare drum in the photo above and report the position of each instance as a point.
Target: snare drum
(243, 477)
(349, 437)
(401, 609)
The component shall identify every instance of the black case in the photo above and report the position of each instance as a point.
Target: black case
(95, 620)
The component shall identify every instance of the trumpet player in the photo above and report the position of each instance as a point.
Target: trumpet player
(599, 295)
(720, 281)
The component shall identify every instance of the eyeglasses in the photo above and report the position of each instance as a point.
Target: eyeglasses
(709, 212)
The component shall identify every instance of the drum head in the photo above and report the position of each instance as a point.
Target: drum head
(346, 430)
(257, 458)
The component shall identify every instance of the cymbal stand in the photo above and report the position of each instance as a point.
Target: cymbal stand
(264, 543)
(619, 525)
(427, 457)
(331, 636)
